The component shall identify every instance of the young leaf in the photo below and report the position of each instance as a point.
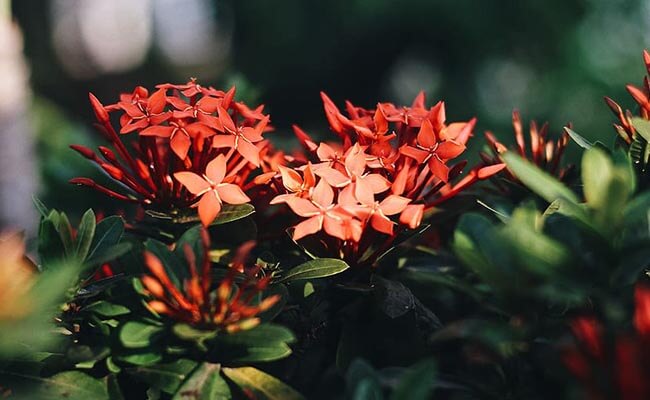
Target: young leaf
(261, 383)
(580, 141)
(540, 182)
(642, 127)
(85, 234)
(317, 268)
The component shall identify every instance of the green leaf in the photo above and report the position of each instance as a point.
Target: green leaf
(266, 342)
(317, 268)
(205, 383)
(85, 234)
(65, 232)
(417, 383)
(230, 213)
(106, 309)
(136, 334)
(597, 171)
(580, 141)
(107, 234)
(69, 385)
(187, 332)
(267, 386)
(642, 127)
(107, 254)
(166, 377)
(147, 358)
(40, 207)
(540, 182)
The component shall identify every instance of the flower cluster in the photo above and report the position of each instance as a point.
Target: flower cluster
(176, 133)
(390, 162)
(229, 306)
(618, 367)
(542, 151)
(641, 96)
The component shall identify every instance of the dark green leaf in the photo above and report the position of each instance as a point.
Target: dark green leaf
(107, 234)
(317, 268)
(266, 342)
(106, 309)
(70, 385)
(417, 383)
(85, 234)
(165, 377)
(230, 213)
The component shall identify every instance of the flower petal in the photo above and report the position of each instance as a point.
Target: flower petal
(249, 151)
(194, 183)
(180, 144)
(216, 169)
(376, 182)
(333, 177)
(209, 207)
(392, 204)
(226, 120)
(290, 179)
(448, 150)
(412, 215)
(426, 136)
(160, 131)
(157, 102)
(439, 169)
(302, 207)
(221, 141)
(232, 194)
(307, 227)
(381, 223)
(323, 193)
(417, 154)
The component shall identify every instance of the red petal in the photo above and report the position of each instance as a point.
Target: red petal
(323, 194)
(249, 151)
(160, 131)
(392, 204)
(307, 227)
(157, 102)
(448, 150)
(426, 136)
(180, 144)
(439, 169)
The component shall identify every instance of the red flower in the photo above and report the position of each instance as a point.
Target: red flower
(230, 307)
(211, 189)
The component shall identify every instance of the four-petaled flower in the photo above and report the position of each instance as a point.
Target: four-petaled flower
(434, 151)
(321, 212)
(240, 138)
(212, 190)
(180, 135)
(377, 212)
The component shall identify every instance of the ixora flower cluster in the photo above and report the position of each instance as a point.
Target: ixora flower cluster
(390, 163)
(197, 147)
(190, 143)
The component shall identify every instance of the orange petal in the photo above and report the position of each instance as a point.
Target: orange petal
(417, 154)
(232, 194)
(193, 182)
(220, 141)
(333, 177)
(307, 227)
(381, 223)
(302, 207)
(290, 179)
(249, 151)
(355, 160)
(334, 227)
(392, 204)
(323, 194)
(226, 120)
(488, 171)
(412, 215)
(209, 207)
(376, 182)
(198, 129)
(216, 169)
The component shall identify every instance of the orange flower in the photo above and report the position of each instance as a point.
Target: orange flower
(230, 306)
(211, 189)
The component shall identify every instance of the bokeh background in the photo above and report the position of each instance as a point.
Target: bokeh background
(552, 59)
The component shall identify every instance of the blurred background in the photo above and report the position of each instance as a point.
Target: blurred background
(552, 59)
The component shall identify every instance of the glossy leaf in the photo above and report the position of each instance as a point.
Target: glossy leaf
(136, 334)
(85, 234)
(317, 268)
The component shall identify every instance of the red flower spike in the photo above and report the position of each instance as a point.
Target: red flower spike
(100, 112)
(212, 191)
(194, 303)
